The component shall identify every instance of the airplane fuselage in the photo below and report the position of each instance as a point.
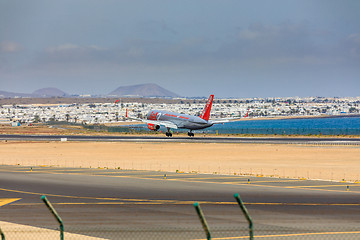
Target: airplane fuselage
(181, 120)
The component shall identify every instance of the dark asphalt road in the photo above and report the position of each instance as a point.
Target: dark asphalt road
(134, 138)
(118, 204)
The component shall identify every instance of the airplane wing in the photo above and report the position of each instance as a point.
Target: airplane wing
(166, 124)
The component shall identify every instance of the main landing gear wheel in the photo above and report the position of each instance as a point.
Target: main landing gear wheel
(168, 133)
(190, 134)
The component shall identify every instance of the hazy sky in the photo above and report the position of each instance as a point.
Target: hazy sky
(194, 48)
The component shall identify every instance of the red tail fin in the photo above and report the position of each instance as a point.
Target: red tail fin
(206, 112)
(126, 114)
(247, 114)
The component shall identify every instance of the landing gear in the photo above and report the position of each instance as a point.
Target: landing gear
(190, 134)
(168, 133)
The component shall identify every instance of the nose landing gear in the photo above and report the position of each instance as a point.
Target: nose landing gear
(190, 134)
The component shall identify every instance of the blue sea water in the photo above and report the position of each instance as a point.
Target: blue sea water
(324, 126)
(306, 126)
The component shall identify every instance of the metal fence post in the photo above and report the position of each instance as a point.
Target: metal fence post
(2, 234)
(246, 213)
(203, 220)
(55, 214)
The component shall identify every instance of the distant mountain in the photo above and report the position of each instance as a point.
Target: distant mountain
(142, 90)
(49, 92)
(44, 92)
(4, 94)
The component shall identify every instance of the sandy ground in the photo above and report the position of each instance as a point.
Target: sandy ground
(14, 231)
(290, 161)
(40, 129)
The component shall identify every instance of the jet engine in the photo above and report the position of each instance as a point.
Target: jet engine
(153, 127)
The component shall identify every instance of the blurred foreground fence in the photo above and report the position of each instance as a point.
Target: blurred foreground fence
(245, 230)
(28, 232)
(193, 233)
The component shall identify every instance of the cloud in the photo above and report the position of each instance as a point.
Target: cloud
(71, 53)
(353, 41)
(64, 47)
(281, 45)
(73, 47)
(135, 52)
(10, 47)
(131, 52)
(247, 34)
(259, 30)
(166, 28)
(277, 40)
(257, 42)
(355, 37)
(257, 47)
(157, 29)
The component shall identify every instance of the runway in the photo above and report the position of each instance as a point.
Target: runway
(114, 204)
(200, 139)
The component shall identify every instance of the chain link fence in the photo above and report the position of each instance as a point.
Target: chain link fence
(224, 223)
(22, 232)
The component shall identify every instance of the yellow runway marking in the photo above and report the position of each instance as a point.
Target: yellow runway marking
(209, 178)
(4, 201)
(175, 202)
(148, 202)
(302, 188)
(253, 183)
(306, 204)
(278, 181)
(340, 185)
(256, 185)
(155, 201)
(286, 235)
(66, 196)
(229, 183)
(190, 177)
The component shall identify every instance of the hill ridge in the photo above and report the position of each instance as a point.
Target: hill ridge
(143, 90)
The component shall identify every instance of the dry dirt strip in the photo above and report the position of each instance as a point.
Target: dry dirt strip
(340, 163)
(13, 231)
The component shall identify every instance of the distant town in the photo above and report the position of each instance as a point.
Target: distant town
(100, 112)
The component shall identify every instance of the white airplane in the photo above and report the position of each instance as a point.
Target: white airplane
(171, 120)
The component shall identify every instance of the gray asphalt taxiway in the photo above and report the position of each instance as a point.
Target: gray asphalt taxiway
(124, 204)
(199, 139)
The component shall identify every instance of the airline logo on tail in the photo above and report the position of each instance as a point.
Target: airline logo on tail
(207, 109)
